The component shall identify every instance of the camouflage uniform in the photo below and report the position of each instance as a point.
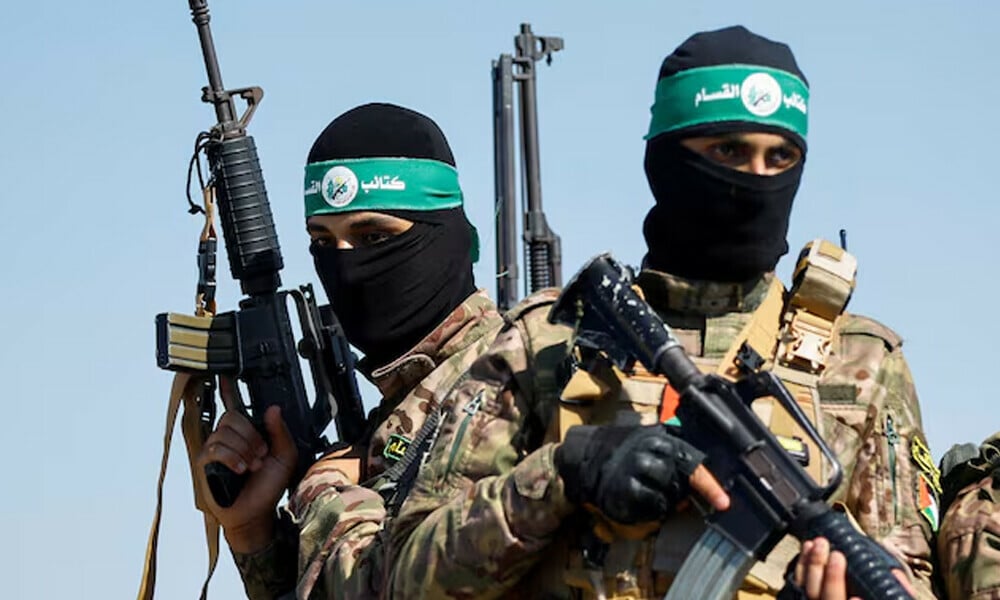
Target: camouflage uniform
(488, 517)
(969, 540)
(331, 523)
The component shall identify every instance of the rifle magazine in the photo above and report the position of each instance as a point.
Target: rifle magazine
(714, 569)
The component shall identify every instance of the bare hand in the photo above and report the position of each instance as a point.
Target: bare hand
(708, 487)
(249, 522)
(822, 573)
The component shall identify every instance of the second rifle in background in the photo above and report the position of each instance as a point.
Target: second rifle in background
(542, 251)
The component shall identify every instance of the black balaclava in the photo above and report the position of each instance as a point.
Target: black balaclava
(390, 296)
(711, 222)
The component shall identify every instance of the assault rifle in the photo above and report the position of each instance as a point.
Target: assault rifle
(256, 343)
(542, 248)
(771, 495)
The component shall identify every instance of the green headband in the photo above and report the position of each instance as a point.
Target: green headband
(352, 184)
(723, 93)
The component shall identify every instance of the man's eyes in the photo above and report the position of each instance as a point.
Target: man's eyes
(736, 153)
(782, 157)
(356, 240)
(728, 151)
(372, 238)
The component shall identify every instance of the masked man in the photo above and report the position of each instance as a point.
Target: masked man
(394, 252)
(528, 441)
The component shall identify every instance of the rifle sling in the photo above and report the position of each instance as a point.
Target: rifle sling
(395, 483)
(186, 390)
(193, 391)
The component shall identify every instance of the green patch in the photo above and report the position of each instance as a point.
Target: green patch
(395, 447)
(837, 393)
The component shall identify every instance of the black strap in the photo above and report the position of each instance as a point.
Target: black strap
(397, 481)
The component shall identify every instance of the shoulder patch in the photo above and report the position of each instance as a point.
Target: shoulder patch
(928, 491)
(922, 457)
(395, 447)
(927, 501)
(837, 393)
(850, 324)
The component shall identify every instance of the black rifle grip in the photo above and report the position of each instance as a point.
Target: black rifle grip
(224, 484)
(869, 566)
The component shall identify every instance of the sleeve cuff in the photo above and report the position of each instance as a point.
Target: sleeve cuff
(537, 504)
(272, 571)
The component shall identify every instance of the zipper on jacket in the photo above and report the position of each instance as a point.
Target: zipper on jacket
(470, 411)
(892, 437)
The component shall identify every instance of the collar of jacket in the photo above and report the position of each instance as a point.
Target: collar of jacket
(472, 319)
(667, 292)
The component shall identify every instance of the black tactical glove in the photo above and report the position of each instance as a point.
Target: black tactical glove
(632, 474)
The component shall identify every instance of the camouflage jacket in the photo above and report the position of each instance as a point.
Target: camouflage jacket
(333, 524)
(969, 540)
(488, 518)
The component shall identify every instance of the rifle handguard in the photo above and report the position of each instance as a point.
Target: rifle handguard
(247, 225)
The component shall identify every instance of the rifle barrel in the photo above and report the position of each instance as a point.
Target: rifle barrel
(505, 180)
(224, 110)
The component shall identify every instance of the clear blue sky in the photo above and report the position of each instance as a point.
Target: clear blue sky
(100, 106)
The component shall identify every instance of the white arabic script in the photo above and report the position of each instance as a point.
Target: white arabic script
(383, 183)
(729, 91)
(796, 101)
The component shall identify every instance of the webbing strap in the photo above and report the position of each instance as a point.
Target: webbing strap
(193, 392)
(576, 402)
(207, 242)
(783, 425)
(185, 390)
(824, 281)
(194, 439)
(194, 429)
(149, 567)
(760, 333)
(398, 480)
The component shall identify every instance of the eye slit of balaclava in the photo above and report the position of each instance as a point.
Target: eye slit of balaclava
(711, 222)
(391, 295)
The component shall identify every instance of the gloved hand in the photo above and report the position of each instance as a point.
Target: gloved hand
(632, 474)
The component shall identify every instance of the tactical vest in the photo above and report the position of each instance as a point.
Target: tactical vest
(793, 332)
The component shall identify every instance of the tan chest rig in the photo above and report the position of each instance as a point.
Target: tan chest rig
(793, 332)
